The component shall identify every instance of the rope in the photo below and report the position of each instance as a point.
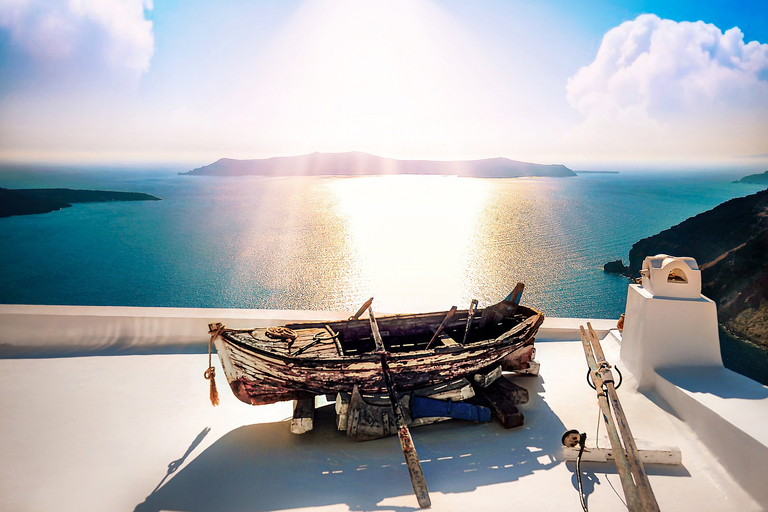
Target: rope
(210, 374)
(281, 333)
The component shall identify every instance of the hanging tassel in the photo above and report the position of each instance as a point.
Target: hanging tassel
(210, 373)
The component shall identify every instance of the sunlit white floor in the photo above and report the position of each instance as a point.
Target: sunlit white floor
(137, 432)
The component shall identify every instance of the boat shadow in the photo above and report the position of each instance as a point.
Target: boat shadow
(263, 467)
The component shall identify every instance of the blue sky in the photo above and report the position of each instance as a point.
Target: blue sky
(594, 83)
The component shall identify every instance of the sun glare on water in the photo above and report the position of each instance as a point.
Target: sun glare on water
(412, 233)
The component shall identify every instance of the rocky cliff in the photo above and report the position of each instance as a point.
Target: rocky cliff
(730, 243)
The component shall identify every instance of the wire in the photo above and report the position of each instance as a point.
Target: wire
(616, 386)
(582, 498)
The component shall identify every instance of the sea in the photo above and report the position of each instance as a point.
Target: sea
(414, 243)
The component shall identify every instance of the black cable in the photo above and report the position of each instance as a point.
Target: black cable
(582, 498)
(616, 386)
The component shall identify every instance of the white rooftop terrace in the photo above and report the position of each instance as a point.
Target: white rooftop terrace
(118, 419)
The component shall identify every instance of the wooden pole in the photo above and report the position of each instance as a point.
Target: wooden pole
(362, 309)
(418, 481)
(647, 498)
(448, 316)
(470, 315)
(622, 465)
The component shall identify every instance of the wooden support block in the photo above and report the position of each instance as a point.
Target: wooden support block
(486, 378)
(501, 397)
(342, 410)
(303, 415)
(519, 359)
(507, 390)
(533, 369)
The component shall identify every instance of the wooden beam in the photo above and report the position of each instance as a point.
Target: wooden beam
(660, 455)
(303, 415)
(487, 377)
(501, 396)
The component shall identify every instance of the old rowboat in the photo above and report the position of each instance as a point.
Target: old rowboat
(295, 361)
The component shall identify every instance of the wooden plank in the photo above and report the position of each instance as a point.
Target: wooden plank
(448, 341)
(303, 415)
(662, 455)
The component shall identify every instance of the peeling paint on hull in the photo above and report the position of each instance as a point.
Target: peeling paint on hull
(262, 371)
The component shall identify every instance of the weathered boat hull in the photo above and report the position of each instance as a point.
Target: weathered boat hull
(262, 371)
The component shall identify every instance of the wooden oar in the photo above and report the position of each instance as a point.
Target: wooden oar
(470, 316)
(645, 492)
(362, 309)
(448, 316)
(418, 481)
(622, 465)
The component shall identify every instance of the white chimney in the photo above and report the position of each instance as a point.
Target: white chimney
(668, 322)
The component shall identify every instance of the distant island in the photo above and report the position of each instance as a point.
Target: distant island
(730, 243)
(755, 179)
(45, 200)
(363, 164)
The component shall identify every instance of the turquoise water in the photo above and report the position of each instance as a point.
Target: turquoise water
(415, 243)
(412, 242)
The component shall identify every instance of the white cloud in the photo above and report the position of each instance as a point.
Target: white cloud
(51, 30)
(674, 86)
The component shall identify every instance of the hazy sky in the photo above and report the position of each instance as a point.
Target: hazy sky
(550, 81)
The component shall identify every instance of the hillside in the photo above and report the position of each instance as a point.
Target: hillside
(360, 164)
(45, 200)
(757, 179)
(730, 243)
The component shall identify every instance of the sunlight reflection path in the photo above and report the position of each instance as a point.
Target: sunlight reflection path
(412, 236)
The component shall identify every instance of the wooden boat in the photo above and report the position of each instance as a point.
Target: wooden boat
(297, 361)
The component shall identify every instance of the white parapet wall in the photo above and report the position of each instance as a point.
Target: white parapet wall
(32, 330)
(50, 330)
